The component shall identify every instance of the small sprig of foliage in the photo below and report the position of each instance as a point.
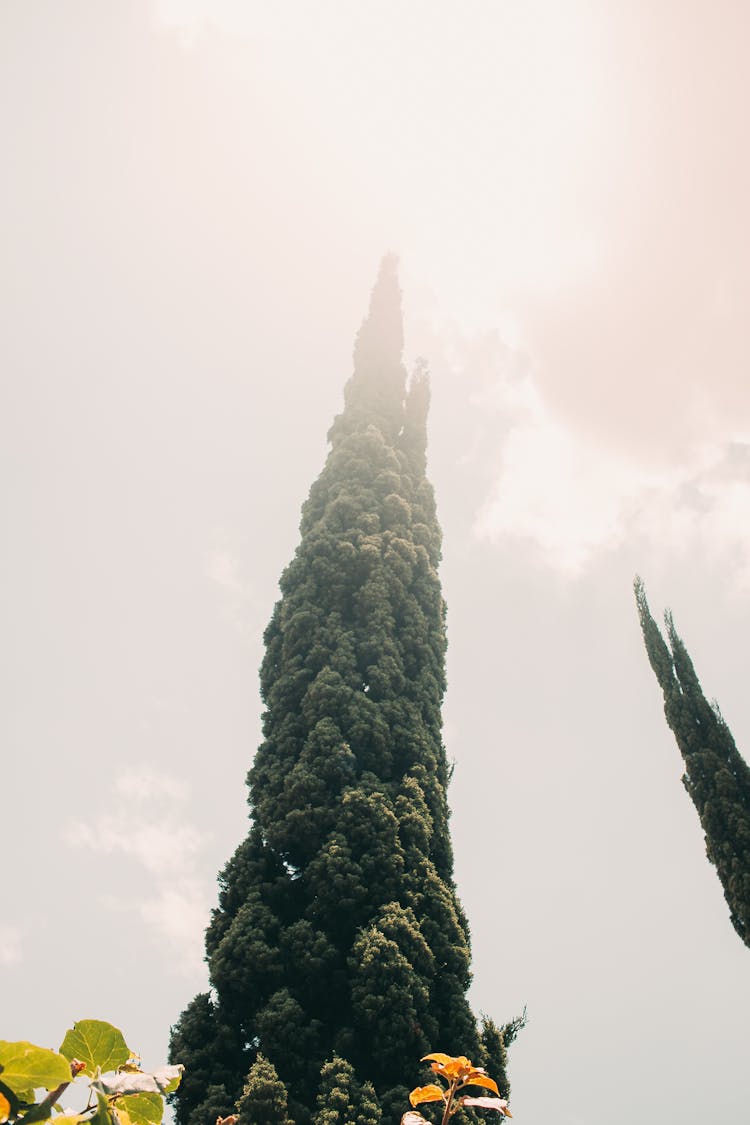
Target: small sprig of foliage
(457, 1073)
(96, 1066)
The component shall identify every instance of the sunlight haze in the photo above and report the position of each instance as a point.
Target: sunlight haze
(197, 195)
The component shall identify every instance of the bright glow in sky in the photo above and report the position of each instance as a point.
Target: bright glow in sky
(480, 123)
(197, 194)
(533, 173)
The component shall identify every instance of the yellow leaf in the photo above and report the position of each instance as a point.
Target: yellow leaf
(120, 1116)
(426, 1094)
(457, 1068)
(475, 1079)
(437, 1057)
(4, 1108)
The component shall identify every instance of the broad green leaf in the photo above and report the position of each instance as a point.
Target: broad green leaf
(96, 1044)
(27, 1067)
(69, 1118)
(141, 1109)
(103, 1115)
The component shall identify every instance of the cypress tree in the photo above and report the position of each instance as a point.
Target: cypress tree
(264, 1098)
(338, 931)
(342, 1100)
(716, 776)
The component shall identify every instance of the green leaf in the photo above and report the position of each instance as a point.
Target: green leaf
(142, 1109)
(26, 1098)
(103, 1115)
(168, 1078)
(28, 1067)
(96, 1044)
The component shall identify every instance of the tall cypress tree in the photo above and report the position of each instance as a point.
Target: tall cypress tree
(716, 776)
(338, 930)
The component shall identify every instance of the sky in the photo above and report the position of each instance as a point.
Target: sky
(196, 196)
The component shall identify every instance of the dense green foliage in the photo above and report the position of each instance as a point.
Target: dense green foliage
(716, 776)
(342, 1100)
(93, 1067)
(338, 935)
(264, 1098)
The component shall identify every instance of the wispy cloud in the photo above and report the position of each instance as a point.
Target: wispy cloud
(150, 827)
(10, 946)
(224, 569)
(570, 497)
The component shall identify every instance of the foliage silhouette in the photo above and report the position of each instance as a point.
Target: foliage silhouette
(716, 776)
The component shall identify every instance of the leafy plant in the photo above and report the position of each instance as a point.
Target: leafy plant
(457, 1073)
(93, 1059)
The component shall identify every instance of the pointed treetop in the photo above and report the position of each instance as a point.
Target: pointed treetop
(414, 435)
(380, 340)
(374, 395)
(716, 776)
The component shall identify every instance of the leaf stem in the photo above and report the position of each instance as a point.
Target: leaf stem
(449, 1102)
(43, 1110)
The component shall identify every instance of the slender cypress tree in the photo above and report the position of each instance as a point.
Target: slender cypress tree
(342, 1100)
(264, 1098)
(338, 930)
(716, 776)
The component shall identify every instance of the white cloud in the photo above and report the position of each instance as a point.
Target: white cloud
(147, 824)
(240, 604)
(223, 568)
(189, 17)
(571, 497)
(556, 491)
(146, 783)
(10, 946)
(161, 848)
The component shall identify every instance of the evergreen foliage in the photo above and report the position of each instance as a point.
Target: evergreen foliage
(716, 776)
(342, 1100)
(264, 1098)
(338, 935)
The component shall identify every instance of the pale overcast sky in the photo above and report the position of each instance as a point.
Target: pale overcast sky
(196, 195)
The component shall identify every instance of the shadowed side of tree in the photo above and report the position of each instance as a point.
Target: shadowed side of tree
(339, 948)
(716, 776)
